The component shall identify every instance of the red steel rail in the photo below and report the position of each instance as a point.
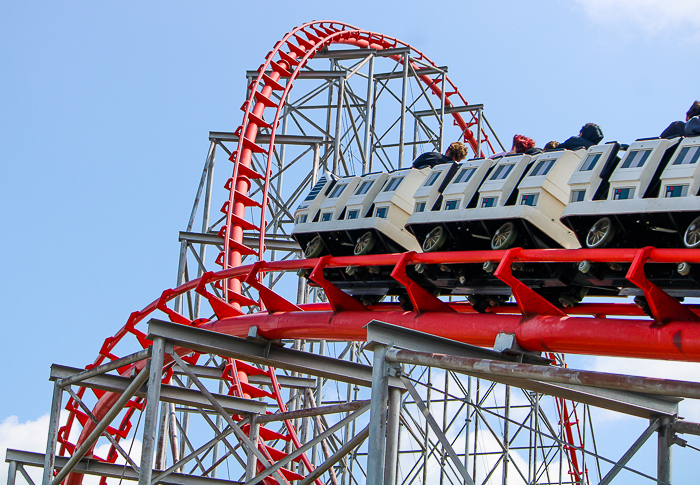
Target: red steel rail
(673, 333)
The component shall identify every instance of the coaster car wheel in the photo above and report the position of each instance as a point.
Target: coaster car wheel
(505, 236)
(601, 233)
(314, 248)
(365, 243)
(434, 240)
(691, 238)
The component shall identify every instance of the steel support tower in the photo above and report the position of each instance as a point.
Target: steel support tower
(247, 372)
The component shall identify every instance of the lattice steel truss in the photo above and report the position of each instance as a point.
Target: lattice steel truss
(342, 412)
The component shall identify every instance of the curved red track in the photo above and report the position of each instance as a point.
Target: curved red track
(538, 326)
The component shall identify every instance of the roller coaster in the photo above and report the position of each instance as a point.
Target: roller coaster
(470, 252)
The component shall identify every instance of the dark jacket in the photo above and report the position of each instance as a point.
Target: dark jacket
(431, 159)
(677, 128)
(590, 135)
(692, 127)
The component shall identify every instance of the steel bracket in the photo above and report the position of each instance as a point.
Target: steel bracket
(422, 300)
(663, 308)
(272, 301)
(530, 303)
(220, 307)
(174, 316)
(338, 299)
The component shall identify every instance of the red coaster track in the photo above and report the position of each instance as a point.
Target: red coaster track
(538, 325)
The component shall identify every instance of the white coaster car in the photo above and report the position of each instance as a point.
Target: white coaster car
(362, 215)
(652, 198)
(518, 203)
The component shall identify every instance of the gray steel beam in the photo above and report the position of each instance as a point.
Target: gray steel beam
(396, 51)
(252, 463)
(664, 461)
(150, 420)
(168, 393)
(392, 436)
(685, 427)
(405, 338)
(11, 472)
(338, 124)
(376, 447)
(635, 404)
(550, 374)
(260, 352)
(278, 243)
(314, 411)
(404, 94)
(54, 423)
(311, 74)
(90, 466)
(345, 54)
(368, 117)
(428, 71)
(113, 365)
(282, 380)
(279, 139)
(450, 110)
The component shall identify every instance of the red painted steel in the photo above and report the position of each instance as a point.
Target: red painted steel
(539, 327)
(641, 338)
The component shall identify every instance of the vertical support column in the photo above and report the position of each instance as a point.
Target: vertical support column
(338, 127)
(50, 457)
(392, 436)
(206, 211)
(506, 437)
(12, 473)
(350, 459)
(162, 436)
(174, 446)
(476, 426)
(219, 422)
(402, 125)
(317, 161)
(664, 456)
(182, 263)
(377, 418)
(442, 114)
(374, 120)
(468, 423)
(368, 116)
(252, 464)
(478, 133)
(318, 400)
(415, 138)
(280, 176)
(426, 441)
(151, 413)
(329, 111)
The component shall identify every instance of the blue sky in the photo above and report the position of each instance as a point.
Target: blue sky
(105, 109)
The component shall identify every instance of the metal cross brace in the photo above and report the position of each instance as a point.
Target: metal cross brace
(236, 429)
(436, 429)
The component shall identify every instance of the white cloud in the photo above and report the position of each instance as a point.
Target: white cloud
(680, 17)
(683, 371)
(31, 436)
(27, 436)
